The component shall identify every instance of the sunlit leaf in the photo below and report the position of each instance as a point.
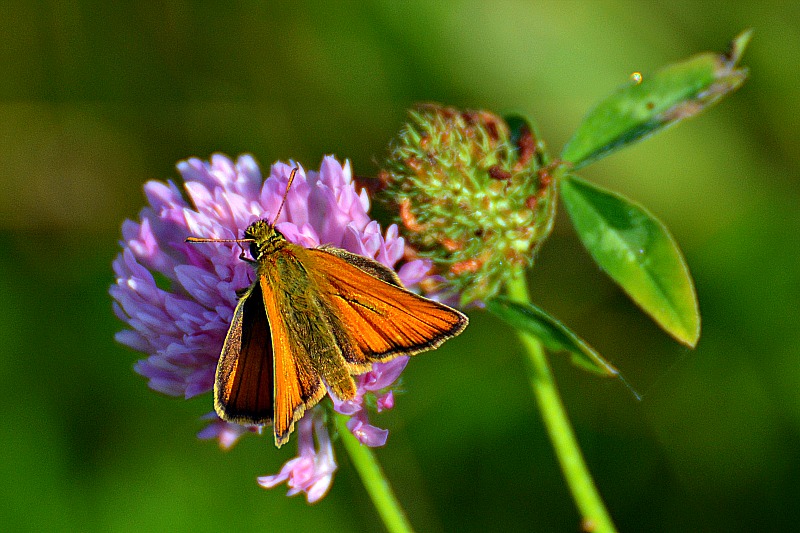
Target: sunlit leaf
(638, 252)
(555, 336)
(648, 103)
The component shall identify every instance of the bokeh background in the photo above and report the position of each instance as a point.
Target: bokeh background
(96, 98)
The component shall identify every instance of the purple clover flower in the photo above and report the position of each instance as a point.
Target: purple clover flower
(312, 470)
(178, 299)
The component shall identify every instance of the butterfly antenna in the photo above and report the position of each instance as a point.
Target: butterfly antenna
(202, 239)
(285, 195)
(274, 220)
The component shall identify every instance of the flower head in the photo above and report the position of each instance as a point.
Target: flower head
(177, 299)
(472, 193)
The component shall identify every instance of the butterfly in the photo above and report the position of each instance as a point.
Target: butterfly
(312, 319)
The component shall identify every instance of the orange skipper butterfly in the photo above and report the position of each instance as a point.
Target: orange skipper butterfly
(312, 318)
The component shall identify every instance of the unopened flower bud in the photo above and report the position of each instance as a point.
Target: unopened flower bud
(471, 195)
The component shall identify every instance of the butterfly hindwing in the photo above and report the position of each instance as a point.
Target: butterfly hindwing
(243, 388)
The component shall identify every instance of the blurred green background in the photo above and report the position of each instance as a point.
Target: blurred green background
(96, 98)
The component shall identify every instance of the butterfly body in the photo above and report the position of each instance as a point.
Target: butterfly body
(312, 319)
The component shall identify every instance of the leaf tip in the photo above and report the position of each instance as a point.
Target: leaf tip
(692, 336)
(738, 46)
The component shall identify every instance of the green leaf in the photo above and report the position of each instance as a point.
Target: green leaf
(638, 252)
(555, 336)
(646, 104)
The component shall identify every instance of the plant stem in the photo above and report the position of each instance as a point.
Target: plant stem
(389, 509)
(595, 516)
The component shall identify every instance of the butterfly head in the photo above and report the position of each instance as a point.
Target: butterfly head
(264, 238)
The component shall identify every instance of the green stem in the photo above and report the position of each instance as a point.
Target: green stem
(579, 480)
(393, 516)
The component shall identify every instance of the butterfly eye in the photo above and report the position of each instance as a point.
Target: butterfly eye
(254, 252)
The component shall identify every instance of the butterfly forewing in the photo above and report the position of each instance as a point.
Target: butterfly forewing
(243, 389)
(383, 320)
(370, 266)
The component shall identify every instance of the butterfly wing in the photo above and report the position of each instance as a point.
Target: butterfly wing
(243, 388)
(264, 373)
(370, 266)
(381, 318)
(305, 353)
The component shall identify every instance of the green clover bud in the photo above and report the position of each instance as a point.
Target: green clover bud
(473, 196)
